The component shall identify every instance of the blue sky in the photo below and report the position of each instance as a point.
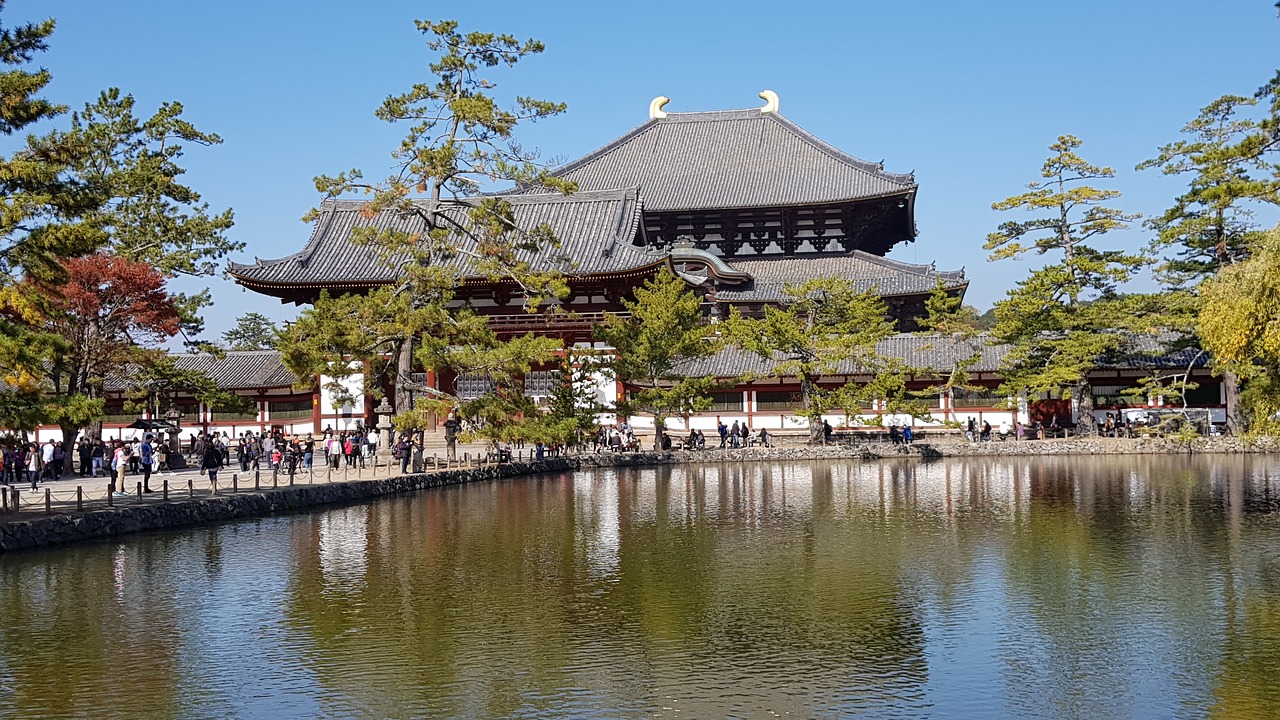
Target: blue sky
(968, 95)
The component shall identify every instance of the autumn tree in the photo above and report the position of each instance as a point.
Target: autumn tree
(252, 331)
(1065, 316)
(1239, 324)
(1226, 158)
(663, 328)
(112, 315)
(148, 214)
(458, 140)
(824, 327)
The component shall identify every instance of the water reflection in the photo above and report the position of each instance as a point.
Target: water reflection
(1040, 587)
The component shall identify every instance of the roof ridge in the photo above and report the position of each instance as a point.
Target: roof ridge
(838, 154)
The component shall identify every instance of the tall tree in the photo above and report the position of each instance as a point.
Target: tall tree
(149, 215)
(43, 210)
(1226, 158)
(1239, 323)
(957, 328)
(825, 327)
(112, 315)
(664, 329)
(1066, 315)
(459, 138)
(252, 331)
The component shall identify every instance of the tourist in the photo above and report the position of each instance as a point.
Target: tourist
(827, 432)
(84, 450)
(893, 434)
(1004, 430)
(746, 434)
(1020, 430)
(120, 464)
(1054, 428)
(985, 433)
(734, 434)
(98, 454)
(308, 452)
(401, 453)
(46, 460)
(146, 455)
(211, 462)
(971, 430)
(723, 430)
(907, 435)
(764, 437)
(59, 459)
(34, 459)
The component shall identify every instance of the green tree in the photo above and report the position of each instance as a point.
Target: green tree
(252, 331)
(1210, 225)
(1239, 323)
(957, 327)
(825, 327)
(1066, 315)
(148, 214)
(44, 218)
(569, 417)
(663, 329)
(458, 139)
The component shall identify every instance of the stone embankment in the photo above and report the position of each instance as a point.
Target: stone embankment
(104, 523)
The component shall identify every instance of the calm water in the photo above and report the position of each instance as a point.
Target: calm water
(1052, 588)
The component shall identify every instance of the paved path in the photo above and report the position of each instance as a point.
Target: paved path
(72, 492)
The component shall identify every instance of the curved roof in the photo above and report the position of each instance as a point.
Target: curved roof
(595, 230)
(731, 159)
(888, 277)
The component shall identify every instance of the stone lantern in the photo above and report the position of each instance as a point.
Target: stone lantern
(384, 412)
(173, 416)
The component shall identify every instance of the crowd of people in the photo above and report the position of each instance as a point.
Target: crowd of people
(35, 463)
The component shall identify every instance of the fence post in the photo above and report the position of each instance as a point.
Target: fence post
(48, 501)
(235, 483)
(275, 480)
(139, 493)
(191, 488)
(166, 490)
(257, 482)
(79, 498)
(4, 495)
(111, 492)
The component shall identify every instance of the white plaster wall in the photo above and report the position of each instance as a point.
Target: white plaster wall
(353, 384)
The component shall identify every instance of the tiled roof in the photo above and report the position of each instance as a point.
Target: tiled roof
(731, 159)
(888, 277)
(940, 353)
(233, 371)
(595, 228)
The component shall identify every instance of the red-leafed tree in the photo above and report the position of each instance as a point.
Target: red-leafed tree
(112, 314)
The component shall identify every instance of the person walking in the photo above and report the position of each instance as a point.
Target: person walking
(121, 464)
(211, 463)
(34, 459)
(146, 455)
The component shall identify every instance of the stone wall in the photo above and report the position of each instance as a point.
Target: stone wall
(104, 523)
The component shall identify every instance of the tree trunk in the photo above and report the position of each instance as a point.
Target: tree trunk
(816, 436)
(1084, 396)
(1231, 392)
(404, 374)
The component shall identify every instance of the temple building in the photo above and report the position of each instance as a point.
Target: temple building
(739, 203)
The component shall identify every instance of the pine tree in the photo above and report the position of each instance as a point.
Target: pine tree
(825, 327)
(663, 330)
(1210, 225)
(1065, 316)
(458, 139)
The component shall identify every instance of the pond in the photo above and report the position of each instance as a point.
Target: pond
(1117, 587)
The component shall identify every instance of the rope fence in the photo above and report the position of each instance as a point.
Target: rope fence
(18, 500)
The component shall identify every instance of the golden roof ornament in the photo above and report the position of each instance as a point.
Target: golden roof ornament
(770, 101)
(655, 107)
